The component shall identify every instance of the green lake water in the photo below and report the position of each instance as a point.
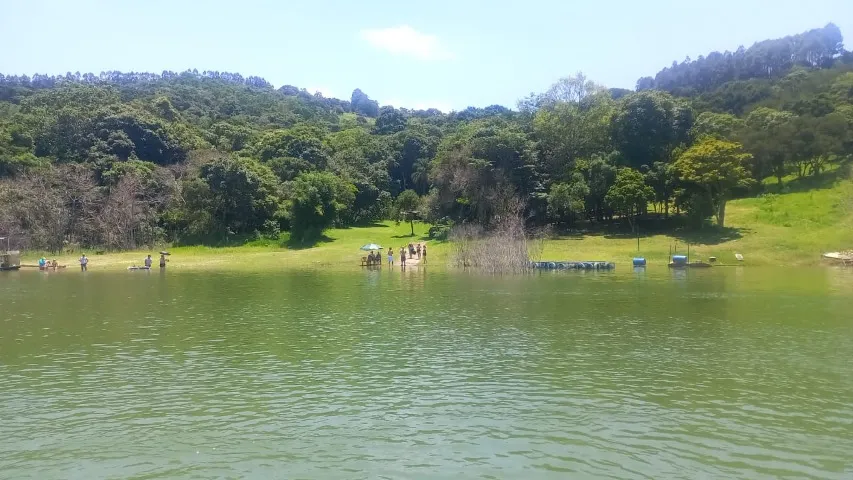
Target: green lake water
(724, 373)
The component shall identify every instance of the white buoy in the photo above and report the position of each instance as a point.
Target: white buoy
(739, 257)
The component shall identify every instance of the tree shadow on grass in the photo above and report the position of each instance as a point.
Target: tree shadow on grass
(294, 244)
(656, 224)
(422, 238)
(365, 225)
(821, 181)
(710, 235)
(706, 235)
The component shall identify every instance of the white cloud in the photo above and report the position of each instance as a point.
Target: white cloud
(405, 40)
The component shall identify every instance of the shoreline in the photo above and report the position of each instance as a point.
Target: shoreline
(341, 255)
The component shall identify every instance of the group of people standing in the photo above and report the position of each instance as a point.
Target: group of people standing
(149, 261)
(410, 252)
(84, 262)
(45, 264)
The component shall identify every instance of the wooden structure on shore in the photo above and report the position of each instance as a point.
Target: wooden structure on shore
(569, 265)
(10, 261)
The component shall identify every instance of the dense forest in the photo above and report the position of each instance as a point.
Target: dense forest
(120, 160)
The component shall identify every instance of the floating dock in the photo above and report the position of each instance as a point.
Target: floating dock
(587, 265)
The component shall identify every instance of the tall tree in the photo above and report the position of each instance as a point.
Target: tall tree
(569, 131)
(244, 193)
(316, 201)
(407, 206)
(566, 200)
(362, 104)
(629, 195)
(648, 125)
(716, 166)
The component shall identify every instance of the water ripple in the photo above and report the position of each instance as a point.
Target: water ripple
(279, 377)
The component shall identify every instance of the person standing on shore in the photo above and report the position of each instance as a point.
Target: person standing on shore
(423, 254)
(84, 263)
(390, 256)
(403, 257)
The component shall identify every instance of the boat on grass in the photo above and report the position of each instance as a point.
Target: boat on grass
(843, 258)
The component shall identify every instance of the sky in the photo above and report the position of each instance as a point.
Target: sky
(441, 54)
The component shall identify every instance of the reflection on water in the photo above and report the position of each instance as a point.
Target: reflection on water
(721, 373)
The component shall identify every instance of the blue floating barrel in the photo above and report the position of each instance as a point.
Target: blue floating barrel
(639, 262)
(679, 259)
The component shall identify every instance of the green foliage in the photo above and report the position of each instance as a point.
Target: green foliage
(570, 131)
(215, 155)
(390, 121)
(242, 194)
(767, 59)
(316, 201)
(719, 125)
(362, 104)
(662, 178)
(648, 125)
(407, 206)
(717, 167)
(304, 142)
(599, 173)
(566, 200)
(440, 231)
(629, 195)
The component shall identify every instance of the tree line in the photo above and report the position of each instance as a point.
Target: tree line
(119, 160)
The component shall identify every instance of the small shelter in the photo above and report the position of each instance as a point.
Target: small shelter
(10, 260)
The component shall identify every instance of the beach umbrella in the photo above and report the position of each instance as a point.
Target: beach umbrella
(371, 246)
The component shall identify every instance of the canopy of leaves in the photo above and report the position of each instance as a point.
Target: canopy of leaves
(316, 202)
(210, 154)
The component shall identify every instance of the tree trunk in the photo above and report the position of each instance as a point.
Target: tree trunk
(412, 224)
(721, 213)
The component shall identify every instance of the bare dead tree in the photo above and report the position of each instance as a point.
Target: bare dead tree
(503, 248)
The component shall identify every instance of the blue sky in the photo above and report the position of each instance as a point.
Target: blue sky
(444, 54)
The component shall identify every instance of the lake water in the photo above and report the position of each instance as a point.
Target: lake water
(724, 373)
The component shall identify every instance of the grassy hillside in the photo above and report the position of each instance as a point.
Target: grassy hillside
(791, 228)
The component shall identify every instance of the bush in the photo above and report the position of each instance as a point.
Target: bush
(440, 232)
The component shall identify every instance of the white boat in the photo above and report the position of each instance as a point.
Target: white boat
(845, 258)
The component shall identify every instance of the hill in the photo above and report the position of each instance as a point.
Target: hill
(120, 160)
(792, 228)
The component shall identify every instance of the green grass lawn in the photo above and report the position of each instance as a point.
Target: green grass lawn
(792, 228)
(338, 249)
